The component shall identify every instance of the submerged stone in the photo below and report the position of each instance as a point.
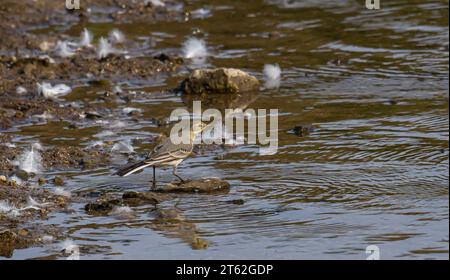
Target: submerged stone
(138, 198)
(199, 243)
(58, 181)
(208, 185)
(93, 115)
(101, 206)
(219, 80)
(41, 180)
(236, 201)
(22, 174)
(302, 130)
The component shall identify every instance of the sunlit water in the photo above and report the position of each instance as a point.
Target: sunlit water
(374, 84)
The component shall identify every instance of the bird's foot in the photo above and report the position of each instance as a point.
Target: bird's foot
(184, 181)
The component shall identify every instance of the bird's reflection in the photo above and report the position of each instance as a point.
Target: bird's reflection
(172, 223)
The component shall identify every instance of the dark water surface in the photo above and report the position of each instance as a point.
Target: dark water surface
(374, 84)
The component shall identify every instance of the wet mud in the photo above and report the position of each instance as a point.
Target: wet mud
(26, 59)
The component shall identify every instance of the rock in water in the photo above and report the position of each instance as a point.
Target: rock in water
(101, 206)
(140, 198)
(58, 181)
(209, 185)
(7, 242)
(219, 80)
(302, 130)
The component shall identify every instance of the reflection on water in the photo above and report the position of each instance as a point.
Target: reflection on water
(374, 172)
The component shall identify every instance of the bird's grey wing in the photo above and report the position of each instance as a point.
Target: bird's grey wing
(167, 149)
(168, 157)
(181, 153)
(159, 148)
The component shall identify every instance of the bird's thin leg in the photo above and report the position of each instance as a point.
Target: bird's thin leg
(154, 178)
(174, 172)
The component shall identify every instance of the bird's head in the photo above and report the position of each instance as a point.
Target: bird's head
(198, 127)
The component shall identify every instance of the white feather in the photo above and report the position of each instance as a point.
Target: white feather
(48, 58)
(116, 36)
(201, 13)
(52, 92)
(117, 89)
(5, 207)
(62, 192)
(104, 48)
(117, 124)
(104, 134)
(122, 211)
(21, 90)
(47, 238)
(30, 161)
(63, 50)
(272, 73)
(195, 48)
(86, 38)
(33, 203)
(124, 147)
(155, 3)
(128, 110)
(44, 116)
(69, 247)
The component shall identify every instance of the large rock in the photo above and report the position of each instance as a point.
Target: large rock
(219, 80)
(209, 185)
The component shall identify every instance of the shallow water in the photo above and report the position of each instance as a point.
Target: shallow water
(374, 84)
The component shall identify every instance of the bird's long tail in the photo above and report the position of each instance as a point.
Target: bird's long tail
(131, 168)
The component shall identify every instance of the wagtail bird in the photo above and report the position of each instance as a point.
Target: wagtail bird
(165, 154)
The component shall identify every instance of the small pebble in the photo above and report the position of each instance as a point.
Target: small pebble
(236, 201)
(58, 181)
(393, 102)
(302, 130)
(21, 174)
(23, 232)
(41, 181)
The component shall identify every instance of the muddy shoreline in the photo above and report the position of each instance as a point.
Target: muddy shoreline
(28, 58)
(27, 61)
